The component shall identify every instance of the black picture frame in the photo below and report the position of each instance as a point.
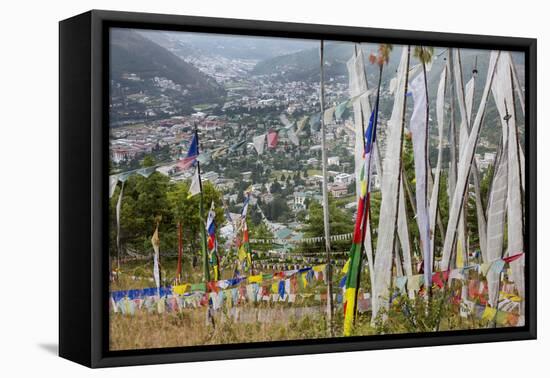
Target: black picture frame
(83, 181)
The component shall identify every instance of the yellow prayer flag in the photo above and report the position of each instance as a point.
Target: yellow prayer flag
(489, 313)
(363, 188)
(216, 273)
(319, 268)
(512, 297)
(349, 314)
(255, 279)
(304, 280)
(346, 267)
(180, 289)
(242, 253)
(459, 255)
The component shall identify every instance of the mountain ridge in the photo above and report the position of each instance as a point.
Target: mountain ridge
(133, 53)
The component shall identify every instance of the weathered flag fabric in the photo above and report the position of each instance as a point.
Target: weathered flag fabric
(419, 129)
(195, 187)
(189, 160)
(155, 241)
(259, 142)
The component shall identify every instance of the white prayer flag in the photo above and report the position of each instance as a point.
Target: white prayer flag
(113, 180)
(195, 187)
(418, 128)
(329, 115)
(259, 143)
(440, 113)
(293, 137)
(464, 167)
(496, 219)
(390, 188)
(155, 241)
(504, 98)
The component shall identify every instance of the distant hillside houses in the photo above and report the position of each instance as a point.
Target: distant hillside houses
(119, 154)
(344, 179)
(266, 197)
(313, 161)
(210, 176)
(300, 200)
(126, 149)
(333, 160)
(225, 184)
(338, 190)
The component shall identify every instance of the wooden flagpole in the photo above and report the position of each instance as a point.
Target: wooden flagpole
(206, 272)
(325, 192)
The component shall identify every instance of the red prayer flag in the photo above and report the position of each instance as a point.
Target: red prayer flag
(439, 278)
(212, 286)
(509, 259)
(272, 138)
(186, 163)
(436, 279)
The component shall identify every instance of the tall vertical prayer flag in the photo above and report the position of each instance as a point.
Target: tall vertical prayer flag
(354, 268)
(244, 249)
(180, 253)
(419, 130)
(391, 181)
(246, 244)
(155, 241)
(464, 95)
(358, 91)
(352, 278)
(515, 211)
(465, 166)
(211, 227)
(117, 210)
(211, 241)
(440, 115)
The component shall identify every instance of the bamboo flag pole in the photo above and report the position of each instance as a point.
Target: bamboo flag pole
(325, 191)
(452, 130)
(206, 272)
(118, 209)
(500, 275)
(427, 256)
(521, 215)
(364, 225)
(516, 84)
(180, 253)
